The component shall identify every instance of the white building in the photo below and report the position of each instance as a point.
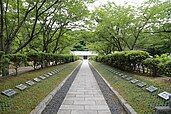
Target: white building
(84, 54)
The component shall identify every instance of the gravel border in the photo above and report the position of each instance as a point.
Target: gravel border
(116, 103)
(53, 101)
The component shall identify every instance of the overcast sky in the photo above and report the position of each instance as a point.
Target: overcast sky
(119, 2)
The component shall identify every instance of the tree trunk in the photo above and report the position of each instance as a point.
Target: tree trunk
(2, 27)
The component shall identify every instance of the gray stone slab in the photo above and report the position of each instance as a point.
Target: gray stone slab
(50, 74)
(9, 92)
(79, 102)
(72, 107)
(97, 107)
(37, 79)
(129, 78)
(164, 95)
(104, 112)
(124, 76)
(46, 75)
(151, 89)
(83, 112)
(134, 81)
(120, 74)
(21, 87)
(64, 111)
(141, 84)
(42, 77)
(30, 82)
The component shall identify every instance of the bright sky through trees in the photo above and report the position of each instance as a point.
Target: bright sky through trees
(119, 2)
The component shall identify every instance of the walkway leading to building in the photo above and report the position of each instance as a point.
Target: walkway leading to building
(84, 95)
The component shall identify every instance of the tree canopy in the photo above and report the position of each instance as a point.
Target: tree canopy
(57, 26)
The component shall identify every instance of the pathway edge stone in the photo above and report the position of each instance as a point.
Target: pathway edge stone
(123, 102)
(41, 106)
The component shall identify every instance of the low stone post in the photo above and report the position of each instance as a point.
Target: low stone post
(164, 109)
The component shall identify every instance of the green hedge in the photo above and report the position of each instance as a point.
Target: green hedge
(138, 61)
(37, 58)
(125, 60)
(159, 65)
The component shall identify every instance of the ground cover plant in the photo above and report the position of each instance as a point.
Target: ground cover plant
(27, 100)
(142, 101)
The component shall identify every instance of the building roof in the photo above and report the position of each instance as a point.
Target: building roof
(83, 53)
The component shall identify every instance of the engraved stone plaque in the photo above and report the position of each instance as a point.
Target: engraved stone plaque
(37, 79)
(141, 84)
(151, 89)
(165, 95)
(9, 92)
(42, 77)
(46, 75)
(21, 87)
(124, 76)
(50, 74)
(129, 78)
(30, 82)
(134, 81)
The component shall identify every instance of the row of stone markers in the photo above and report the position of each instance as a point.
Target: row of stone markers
(29, 83)
(164, 95)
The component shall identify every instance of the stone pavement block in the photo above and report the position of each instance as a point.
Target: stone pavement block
(97, 107)
(64, 111)
(68, 102)
(83, 112)
(84, 96)
(74, 98)
(94, 98)
(75, 93)
(72, 107)
(100, 102)
(84, 102)
(104, 112)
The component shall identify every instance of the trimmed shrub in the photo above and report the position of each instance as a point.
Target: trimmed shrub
(17, 60)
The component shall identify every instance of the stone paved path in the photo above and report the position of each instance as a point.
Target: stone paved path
(84, 95)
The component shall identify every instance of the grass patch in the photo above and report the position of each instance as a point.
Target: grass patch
(27, 100)
(142, 101)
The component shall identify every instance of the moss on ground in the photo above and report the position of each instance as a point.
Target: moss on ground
(27, 100)
(142, 101)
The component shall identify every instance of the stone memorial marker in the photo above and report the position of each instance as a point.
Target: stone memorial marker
(21, 87)
(164, 109)
(141, 84)
(151, 89)
(46, 75)
(165, 95)
(50, 74)
(124, 76)
(42, 77)
(37, 79)
(9, 92)
(134, 81)
(121, 74)
(129, 78)
(30, 82)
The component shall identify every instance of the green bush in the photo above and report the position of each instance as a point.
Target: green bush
(138, 61)
(17, 60)
(152, 64)
(125, 60)
(37, 58)
(167, 67)
(159, 65)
